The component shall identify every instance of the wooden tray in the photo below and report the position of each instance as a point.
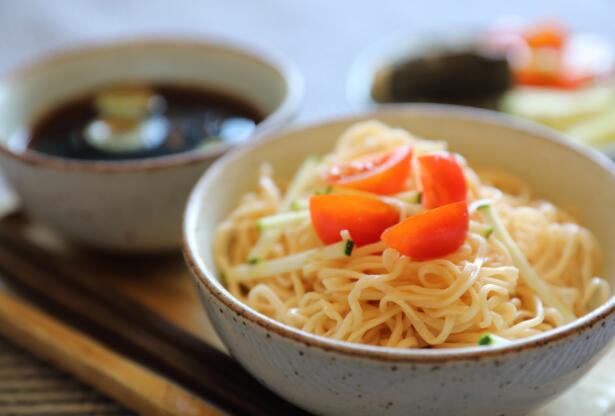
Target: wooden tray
(165, 285)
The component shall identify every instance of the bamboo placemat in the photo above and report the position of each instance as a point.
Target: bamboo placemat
(31, 387)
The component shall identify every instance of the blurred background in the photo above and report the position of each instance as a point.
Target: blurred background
(323, 37)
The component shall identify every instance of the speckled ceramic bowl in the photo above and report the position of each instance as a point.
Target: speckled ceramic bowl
(339, 378)
(132, 205)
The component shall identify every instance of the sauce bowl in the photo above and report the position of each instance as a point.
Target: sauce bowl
(132, 205)
(331, 377)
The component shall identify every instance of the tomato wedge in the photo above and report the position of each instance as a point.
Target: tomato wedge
(382, 174)
(545, 35)
(364, 218)
(442, 180)
(430, 234)
(559, 79)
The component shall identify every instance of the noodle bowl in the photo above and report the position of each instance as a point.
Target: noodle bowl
(378, 296)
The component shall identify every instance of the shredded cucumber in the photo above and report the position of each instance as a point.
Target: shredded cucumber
(265, 241)
(598, 129)
(411, 197)
(481, 228)
(301, 211)
(296, 187)
(300, 204)
(526, 271)
(557, 108)
(282, 220)
(276, 267)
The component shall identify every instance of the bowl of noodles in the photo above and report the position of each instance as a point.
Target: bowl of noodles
(425, 259)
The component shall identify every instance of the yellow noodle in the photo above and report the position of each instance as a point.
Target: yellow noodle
(378, 297)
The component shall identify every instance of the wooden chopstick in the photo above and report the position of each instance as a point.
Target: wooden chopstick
(138, 388)
(134, 330)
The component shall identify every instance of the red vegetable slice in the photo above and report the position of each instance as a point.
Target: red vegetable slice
(364, 218)
(382, 174)
(545, 35)
(558, 79)
(430, 234)
(442, 180)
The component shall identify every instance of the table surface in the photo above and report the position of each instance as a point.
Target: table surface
(322, 37)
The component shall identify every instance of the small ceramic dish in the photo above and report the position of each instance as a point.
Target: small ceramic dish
(134, 205)
(330, 377)
(368, 81)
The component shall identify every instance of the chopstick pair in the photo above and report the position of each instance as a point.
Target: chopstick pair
(134, 330)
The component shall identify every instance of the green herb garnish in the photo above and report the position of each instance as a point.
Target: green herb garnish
(491, 339)
(489, 232)
(348, 248)
(324, 191)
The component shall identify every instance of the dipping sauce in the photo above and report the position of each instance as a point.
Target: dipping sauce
(135, 121)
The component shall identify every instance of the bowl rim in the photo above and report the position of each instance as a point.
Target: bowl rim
(206, 277)
(286, 110)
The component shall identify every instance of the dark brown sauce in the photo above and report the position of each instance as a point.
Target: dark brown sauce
(190, 117)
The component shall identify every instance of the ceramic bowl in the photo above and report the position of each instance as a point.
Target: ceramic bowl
(132, 205)
(339, 378)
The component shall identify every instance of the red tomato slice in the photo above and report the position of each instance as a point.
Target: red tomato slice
(430, 234)
(559, 79)
(364, 218)
(545, 35)
(442, 179)
(383, 174)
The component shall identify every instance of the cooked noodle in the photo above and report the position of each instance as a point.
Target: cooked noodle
(377, 296)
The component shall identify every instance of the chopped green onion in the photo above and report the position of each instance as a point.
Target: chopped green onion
(324, 191)
(276, 267)
(253, 260)
(492, 339)
(349, 247)
(527, 273)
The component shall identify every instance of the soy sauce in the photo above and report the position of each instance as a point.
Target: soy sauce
(186, 118)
